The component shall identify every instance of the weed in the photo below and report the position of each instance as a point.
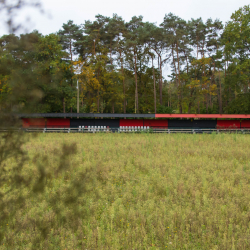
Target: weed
(138, 191)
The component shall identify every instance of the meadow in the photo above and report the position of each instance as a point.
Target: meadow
(135, 191)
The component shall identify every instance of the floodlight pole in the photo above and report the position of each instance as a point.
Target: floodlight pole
(77, 99)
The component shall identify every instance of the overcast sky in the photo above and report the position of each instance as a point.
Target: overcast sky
(58, 12)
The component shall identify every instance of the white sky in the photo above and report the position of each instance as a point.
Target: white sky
(60, 11)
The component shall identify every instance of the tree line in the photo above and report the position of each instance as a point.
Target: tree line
(119, 66)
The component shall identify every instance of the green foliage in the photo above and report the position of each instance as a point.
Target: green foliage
(240, 105)
(236, 40)
(164, 110)
(115, 62)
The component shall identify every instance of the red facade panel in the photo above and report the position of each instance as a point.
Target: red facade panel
(25, 122)
(131, 122)
(33, 122)
(245, 124)
(156, 123)
(228, 124)
(58, 123)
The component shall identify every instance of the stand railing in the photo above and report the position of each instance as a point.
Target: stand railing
(93, 129)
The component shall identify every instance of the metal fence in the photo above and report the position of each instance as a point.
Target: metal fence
(103, 129)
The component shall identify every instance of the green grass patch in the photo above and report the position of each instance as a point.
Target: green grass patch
(137, 191)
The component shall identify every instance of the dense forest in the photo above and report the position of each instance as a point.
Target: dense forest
(119, 66)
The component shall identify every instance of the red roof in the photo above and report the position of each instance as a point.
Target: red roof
(201, 116)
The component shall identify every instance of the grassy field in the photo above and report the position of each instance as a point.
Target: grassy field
(142, 191)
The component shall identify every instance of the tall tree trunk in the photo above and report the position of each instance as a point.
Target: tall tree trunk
(190, 102)
(186, 61)
(197, 46)
(176, 80)
(136, 89)
(123, 78)
(170, 96)
(230, 94)
(98, 93)
(160, 81)
(179, 80)
(212, 82)
(63, 102)
(220, 102)
(154, 84)
(207, 102)
(123, 84)
(203, 51)
(98, 102)
(191, 92)
(71, 59)
(111, 61)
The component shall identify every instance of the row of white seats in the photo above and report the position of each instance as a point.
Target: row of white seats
(94, 128)
(133, 128)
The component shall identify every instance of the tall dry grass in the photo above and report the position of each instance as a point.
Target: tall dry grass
(137, 191)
